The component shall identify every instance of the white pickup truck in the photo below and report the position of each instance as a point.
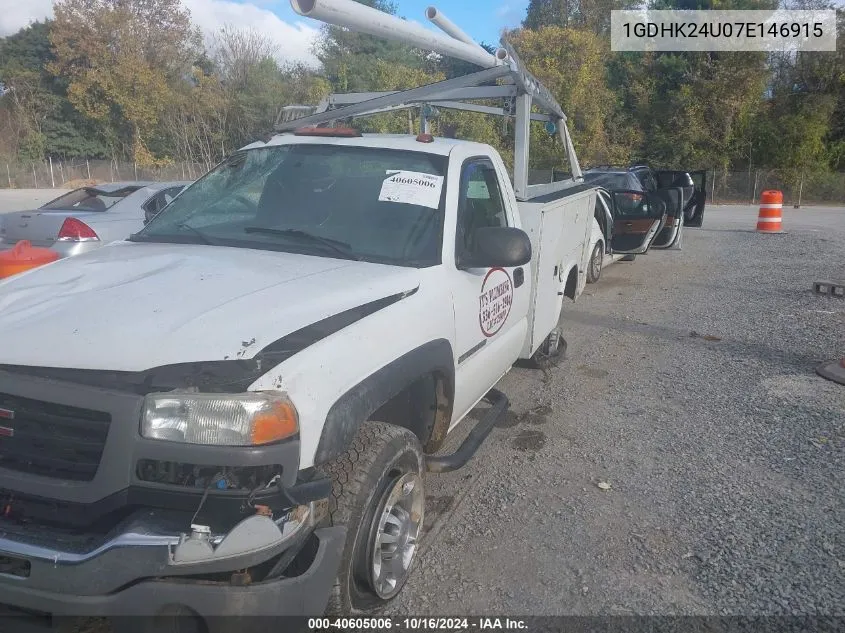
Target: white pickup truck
(233, 411)
(315, 305)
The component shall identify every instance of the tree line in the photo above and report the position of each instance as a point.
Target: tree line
(135, 80)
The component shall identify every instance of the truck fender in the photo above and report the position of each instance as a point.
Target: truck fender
(359, 403)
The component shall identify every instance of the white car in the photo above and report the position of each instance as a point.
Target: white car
(87, 218)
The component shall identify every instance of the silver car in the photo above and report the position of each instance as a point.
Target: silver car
(87, 218)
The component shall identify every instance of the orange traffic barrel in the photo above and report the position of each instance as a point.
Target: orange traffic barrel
(24, 256)
(770, 219)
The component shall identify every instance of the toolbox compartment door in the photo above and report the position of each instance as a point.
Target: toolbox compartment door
(559, 232)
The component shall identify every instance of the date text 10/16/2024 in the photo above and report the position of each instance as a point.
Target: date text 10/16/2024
(412, 624)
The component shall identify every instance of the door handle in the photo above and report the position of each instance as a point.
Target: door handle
(518, 277)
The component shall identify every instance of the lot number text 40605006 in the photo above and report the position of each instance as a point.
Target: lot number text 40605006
(417, 624)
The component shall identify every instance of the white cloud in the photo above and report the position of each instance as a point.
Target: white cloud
(15, 15)
(294, 40)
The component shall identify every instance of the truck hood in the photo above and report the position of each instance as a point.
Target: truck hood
(132, 307)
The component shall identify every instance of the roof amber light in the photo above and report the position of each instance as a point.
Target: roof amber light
(343, 132)
(425, 138)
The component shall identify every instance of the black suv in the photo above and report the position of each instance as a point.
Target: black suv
(643, 178)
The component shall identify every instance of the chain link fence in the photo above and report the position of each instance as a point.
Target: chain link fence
(51, 174)
(723, 187)
(744, 187)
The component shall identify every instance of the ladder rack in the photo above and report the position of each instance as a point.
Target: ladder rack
(518, 89)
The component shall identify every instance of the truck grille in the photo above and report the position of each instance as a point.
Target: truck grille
(52, 440)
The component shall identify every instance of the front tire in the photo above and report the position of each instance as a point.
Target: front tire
(596, 261)
(378, 494)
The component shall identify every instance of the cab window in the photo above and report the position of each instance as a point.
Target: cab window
(480, 202)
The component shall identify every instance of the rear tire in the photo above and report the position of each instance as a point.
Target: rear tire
(595, 265)
(378, 494)
(554, 345)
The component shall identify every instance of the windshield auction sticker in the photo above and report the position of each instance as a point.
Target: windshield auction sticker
(777, 30)
(412, 187)
(494, 303)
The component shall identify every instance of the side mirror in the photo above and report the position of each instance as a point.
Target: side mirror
(498, 247)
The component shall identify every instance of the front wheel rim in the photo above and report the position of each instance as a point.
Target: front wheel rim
(396, 535)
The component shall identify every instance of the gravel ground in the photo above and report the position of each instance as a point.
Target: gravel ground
(689, 388)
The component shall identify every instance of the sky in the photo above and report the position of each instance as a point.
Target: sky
(482, 19)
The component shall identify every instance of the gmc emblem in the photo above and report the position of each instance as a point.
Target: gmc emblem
(6, 431)
(7, 414)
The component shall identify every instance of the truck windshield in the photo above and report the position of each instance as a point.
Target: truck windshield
(369, 204)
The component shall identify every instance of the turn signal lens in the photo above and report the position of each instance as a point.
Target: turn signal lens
(275, 424)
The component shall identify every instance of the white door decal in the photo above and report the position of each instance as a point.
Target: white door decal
(494, 303)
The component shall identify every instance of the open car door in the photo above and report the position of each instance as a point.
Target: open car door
(638, 217)
(604, 216)
(669, 235)
(694, 211)
(694, 184)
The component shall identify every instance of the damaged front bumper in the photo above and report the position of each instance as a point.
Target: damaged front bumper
(148, 569)
(88, 530)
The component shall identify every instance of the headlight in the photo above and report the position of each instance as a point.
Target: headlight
(243, 419)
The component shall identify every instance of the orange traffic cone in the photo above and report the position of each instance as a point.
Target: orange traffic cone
(771, 207)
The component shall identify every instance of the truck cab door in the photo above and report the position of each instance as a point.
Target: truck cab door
(694, 184)
(490, 304)
(670, 235)
(638, 217)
